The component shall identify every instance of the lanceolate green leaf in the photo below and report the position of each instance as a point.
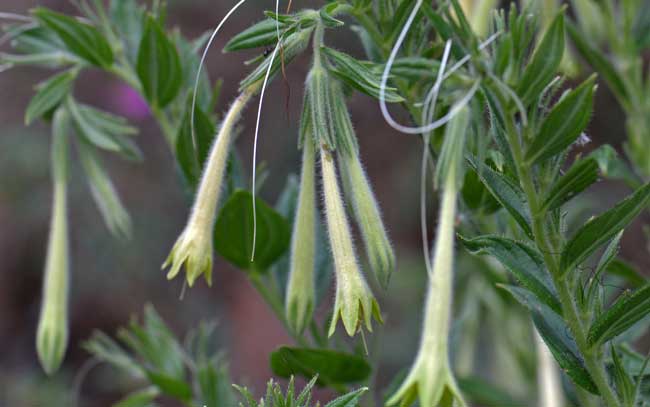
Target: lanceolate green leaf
(348, 400)
(507, 193)
(544, 63)
(523, 261)
(566, 121)
(259, 35)
(332, 367)
(625, 312)
(556, 335)
(82, 39)
(158, 66)
(579, 177)
(50, 94)
(603, 228)
(359, 76)
(233, 233)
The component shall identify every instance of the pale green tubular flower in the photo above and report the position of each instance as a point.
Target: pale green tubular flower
(301, 290)
(52, 333)
(354, 303)
(194, 247)
(366, 210)
(431, 379)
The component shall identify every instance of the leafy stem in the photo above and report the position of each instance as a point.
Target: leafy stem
(569, 307)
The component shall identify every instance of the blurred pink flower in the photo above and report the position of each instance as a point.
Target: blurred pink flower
(127, 102)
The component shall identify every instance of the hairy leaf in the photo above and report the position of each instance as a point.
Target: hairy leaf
(332, 367)
(625, 312)
(579, 177)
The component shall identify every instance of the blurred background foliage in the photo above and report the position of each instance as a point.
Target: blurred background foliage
(113, 280)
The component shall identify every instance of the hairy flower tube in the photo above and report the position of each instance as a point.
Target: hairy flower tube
(354, 303)
(366, 210)
(52, 333)
(431, 379)
(194, 247)
(301, 291)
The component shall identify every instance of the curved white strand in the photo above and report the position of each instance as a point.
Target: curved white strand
(257, 129)
(198, 72)
(15, 17)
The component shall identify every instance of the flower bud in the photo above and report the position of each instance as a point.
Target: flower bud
(366, 210)
(193, 249)
(52, 333)
(355, 303)
(301, 292)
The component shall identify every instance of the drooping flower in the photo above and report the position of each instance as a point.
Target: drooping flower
(52, 332)
(431, 379)
(193, 249)
(354, 304)
(301, 291)
(366, 210)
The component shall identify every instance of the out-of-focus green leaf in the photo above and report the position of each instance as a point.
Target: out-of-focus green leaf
(140, 398)
(82, 39)
(233, 233)
(332, 367)
(564, 124)
(603, 228)
(481, 392)
(158, 65)
(128, 18)
(49, 95)
(625, 312)
(348, 400)
(191, 158)
(171, 386)
(598, 61)
(115, 216)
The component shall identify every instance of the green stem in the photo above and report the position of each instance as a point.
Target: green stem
(569, 308)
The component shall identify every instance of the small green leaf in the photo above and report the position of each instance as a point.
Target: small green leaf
(128, 18)
(191, 159)
(332, 367)
(50, 94)
(233, 233)
(115, 216)
(627, 272)
(105, 349)
(327, 15)
(579, 177)
(359, 76)
(507, 193)
(158, 66)
(622, 380)
(82, 39)
(171, 386)
(262, 34)
(103, 130)
(140, 398)
(348, 400)
(625, 312)
(544, 63)
(556, 335)
(523, 261)
(603, 228)
(564, 124)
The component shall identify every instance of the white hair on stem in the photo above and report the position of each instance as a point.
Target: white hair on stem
(257, 127)
(203, 57)
(427, 115)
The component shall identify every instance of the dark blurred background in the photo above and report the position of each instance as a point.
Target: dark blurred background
(112, 280)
